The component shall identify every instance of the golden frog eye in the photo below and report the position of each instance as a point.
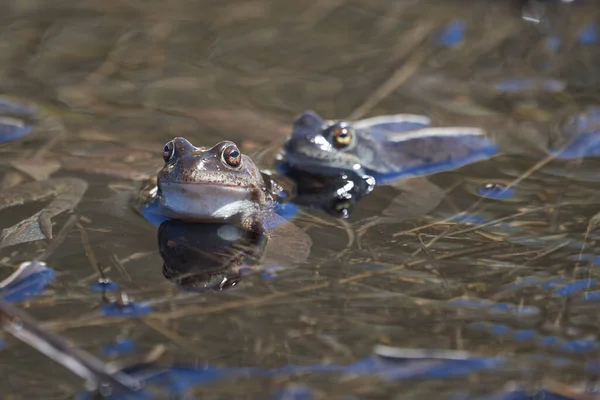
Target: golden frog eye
(168, 151)
(232, 156)
(342, 135)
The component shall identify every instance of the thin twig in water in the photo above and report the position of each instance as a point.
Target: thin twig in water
(172, 335)
(497, 221)
(549, 251)
(525, 175)
(435, 270)
(120, 267)
(28, 330)
(93, 320)
(58, 239)
(85, 241)
(531, 170)
(592, 225)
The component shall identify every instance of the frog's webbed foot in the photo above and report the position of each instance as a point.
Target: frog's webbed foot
(418, 197)
(67, 193)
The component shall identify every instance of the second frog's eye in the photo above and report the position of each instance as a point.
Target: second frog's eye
(342, 135)
(232, 156)
(168, 151)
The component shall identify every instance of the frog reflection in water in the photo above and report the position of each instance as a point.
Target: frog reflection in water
(386, 149)
(336, 194)
(220, 185)
(204, 256)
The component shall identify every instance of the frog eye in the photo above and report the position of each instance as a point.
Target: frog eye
(342, 135)
(168, 151)
(232, 156)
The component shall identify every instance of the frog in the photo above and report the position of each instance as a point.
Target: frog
(219, 184)
(395, 150)
(386, 147)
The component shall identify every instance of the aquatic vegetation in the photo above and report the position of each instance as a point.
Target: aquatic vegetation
(481, 284)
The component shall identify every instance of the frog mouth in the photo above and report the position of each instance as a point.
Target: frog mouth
(205, 183)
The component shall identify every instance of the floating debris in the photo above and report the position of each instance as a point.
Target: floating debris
(588, 34)
(120, 347)
(574, 287)
(453, 34)
(23, 327)
(15, 120)
(572, 346)
(294, 392)
(131, 309)
(507, 308)
(29, 280)
(104, 285)
(523, 84)
(495, 191)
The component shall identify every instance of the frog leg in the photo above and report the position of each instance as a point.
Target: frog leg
(67, 193)
(431, 150)
(418, 197)
(387, 127)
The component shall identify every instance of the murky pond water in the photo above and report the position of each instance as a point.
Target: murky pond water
(491, 292)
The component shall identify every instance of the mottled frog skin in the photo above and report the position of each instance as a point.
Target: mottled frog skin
(210, 184)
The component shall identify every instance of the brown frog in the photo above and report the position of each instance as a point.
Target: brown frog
(219, 184)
